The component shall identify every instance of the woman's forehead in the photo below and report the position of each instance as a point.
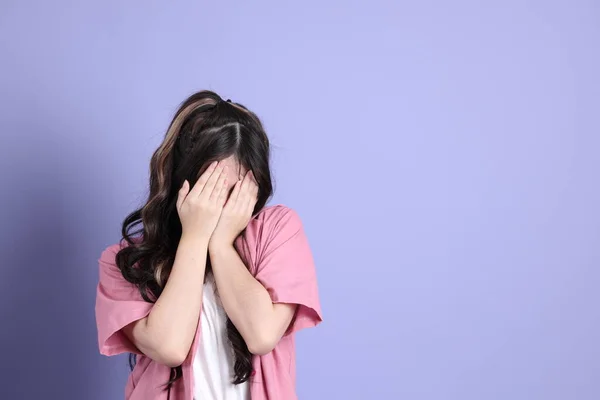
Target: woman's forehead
(233, 165)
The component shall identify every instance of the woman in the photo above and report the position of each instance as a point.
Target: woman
(208, 285)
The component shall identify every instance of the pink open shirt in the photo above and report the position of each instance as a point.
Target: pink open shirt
(279, 257)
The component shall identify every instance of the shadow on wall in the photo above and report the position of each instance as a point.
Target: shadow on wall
(49, 269)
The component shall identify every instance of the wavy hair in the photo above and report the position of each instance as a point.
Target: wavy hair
(204, 129)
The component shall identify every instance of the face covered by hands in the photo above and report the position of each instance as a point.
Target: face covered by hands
(237, 210)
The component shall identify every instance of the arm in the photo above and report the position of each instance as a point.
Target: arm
(247, 303)
(167, 333)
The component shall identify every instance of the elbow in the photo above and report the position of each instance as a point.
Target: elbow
(262, 344)
(172, 361)
(172, 356)
(165, 348)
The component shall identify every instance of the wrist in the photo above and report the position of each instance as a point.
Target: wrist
(195, 241)
(216, 244)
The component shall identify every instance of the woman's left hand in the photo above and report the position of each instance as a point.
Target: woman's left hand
(237, 211)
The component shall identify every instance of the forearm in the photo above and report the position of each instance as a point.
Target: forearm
(168, 332)
(245, 300)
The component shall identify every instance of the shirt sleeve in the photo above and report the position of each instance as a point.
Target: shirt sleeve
(118, 303)
(287, 270)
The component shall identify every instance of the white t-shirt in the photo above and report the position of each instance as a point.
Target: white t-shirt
(214, 360)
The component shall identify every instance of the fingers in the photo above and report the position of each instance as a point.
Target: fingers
(220, 186)
(244, 195)
(246, 182)
(223, 194)
(183, 192)
(251, 194)
(231, 202)
(248, 191)
(212, 182)
(201, 182)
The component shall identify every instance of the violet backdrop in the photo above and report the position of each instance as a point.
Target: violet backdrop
(444, 157)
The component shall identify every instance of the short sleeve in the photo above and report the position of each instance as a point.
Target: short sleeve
(287, 270)
(118, 303)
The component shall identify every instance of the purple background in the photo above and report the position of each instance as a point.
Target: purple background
(444, 157)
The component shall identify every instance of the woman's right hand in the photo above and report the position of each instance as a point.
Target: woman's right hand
(199, 209)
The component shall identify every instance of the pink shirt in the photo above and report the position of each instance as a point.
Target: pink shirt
(279, 257)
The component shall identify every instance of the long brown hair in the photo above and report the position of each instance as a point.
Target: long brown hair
(204, 129)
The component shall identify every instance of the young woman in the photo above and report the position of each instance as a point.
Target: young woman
(208, 285)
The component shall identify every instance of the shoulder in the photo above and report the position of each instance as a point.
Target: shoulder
(109, 253)
(273, 227)
(107, 262)
(279, 218)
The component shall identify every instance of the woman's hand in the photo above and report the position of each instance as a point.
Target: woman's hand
(237, 212)
(199, 209)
